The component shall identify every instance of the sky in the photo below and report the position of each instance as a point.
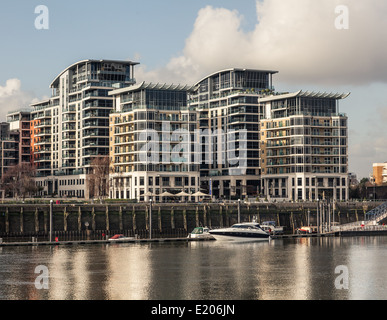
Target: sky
(324, 46)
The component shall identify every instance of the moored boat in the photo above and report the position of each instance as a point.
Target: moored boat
(200, 233)
(307, 230)
(272, 228)
(248, 231)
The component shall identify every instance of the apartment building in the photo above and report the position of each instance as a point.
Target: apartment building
(9, 152)
(228, 108)
(379, 173)
(19, 122)
(152, 130)
(71, 128)
(229, 135)
(304, 147)
(9, 146)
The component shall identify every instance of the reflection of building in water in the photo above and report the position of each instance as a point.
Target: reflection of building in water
(129, 272)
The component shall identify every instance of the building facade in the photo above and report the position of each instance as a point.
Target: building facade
(72, 127)
(230, 135)
(14, 144)
(19, 122)
(379, 173)
(151, 148)
(228, 108)
(304, 147)
(9, 155)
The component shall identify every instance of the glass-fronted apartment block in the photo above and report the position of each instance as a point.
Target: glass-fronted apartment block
(228, 108)
(304, 147)
(151, 148)
(72, 127)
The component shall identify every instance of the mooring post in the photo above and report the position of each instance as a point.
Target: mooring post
(6, 220)
(150, 219)
(36, 220)
(239, 210)
(120, 219)
(197, 217)
(21, 220)
(159, 219)
(65, 215)
(51, 205)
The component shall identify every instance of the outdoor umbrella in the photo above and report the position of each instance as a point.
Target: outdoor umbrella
(167, 194)
(182, 194)
(200, 194)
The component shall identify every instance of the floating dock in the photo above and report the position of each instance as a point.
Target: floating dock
(82, 242)
(358, 233)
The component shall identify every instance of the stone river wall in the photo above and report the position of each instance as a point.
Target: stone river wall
(168, 220)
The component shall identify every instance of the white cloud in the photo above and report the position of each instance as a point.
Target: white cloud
(13, 98)
(300, 40)
(296, 37)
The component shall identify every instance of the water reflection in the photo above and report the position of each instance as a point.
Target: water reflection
(299, 269)
(129, 272)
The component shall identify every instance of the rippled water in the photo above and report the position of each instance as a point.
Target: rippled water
(302, 269)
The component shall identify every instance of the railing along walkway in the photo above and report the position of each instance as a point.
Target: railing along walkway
(373, 218)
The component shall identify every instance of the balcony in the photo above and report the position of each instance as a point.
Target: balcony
(70, 109)
(69, 127)
(69, 117)
(67, 155)
(68, 136)
(43, 141)
(67, 145)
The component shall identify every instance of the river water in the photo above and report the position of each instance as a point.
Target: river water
(297, 269)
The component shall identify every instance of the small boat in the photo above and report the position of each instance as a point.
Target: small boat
(120, 237)
(247, 231)
(272, 228)
(200, 233)
(307, 230)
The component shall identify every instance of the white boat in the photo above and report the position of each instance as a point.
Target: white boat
(271, 227)
(247, 231)
(200, 233)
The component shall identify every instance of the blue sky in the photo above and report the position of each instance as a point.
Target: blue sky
(181, 41)
(117, 29)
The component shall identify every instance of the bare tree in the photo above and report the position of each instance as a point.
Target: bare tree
(98, 177)
(19, 180)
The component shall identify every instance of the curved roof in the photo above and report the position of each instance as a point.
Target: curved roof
(152, 86)
(234, 69)
(305, 94)
(90, 60)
